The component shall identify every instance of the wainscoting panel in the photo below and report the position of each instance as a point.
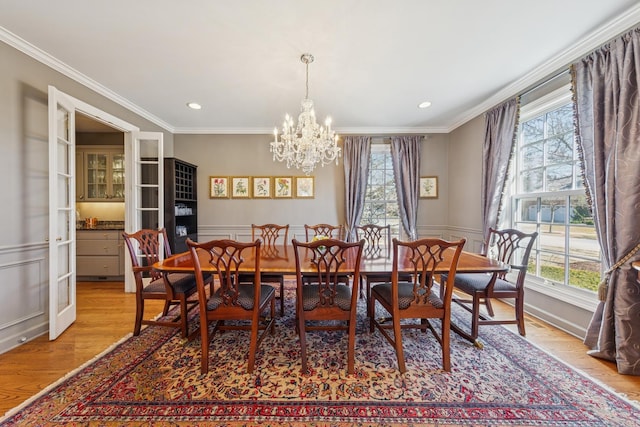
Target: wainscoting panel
(25, 308)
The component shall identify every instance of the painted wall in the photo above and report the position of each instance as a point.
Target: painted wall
(248, 155)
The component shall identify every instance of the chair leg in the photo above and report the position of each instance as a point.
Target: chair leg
(371, 303)
(204, 345)
(475, 315)
(368, 295)
(446, 349)
(139, 314)
(273, 315)
(282, 297)
(253, 344)
(351, 349)
(397, 339)
(487, 303)
(303, 344)
(167, 306)
(184, 326)
(520, 314)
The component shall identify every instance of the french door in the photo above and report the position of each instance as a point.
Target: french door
(145, 190)
(62, 219)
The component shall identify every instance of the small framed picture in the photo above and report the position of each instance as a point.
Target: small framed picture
(262, 187)
(240, 187)
(218, 187)
(282, 186)
(429, 187)
(305, 187)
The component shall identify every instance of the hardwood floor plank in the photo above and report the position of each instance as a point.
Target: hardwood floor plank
(105, 315)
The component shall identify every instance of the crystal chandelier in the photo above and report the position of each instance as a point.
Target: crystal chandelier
(306, 144)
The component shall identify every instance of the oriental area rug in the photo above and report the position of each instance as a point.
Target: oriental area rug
(154, 380)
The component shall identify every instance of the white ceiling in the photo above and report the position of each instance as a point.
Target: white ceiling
(375, 60)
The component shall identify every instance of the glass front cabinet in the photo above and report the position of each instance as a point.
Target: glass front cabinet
(102, 173)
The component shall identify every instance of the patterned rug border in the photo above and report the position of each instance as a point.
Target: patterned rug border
(326, 412)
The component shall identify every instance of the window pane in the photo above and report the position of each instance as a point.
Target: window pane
(559, 177)
(584, 274)
(533, 130)
(531, 181)
(560, 149)
(560, 121)
(533, 156)
(376, 177)
(526, 210)
(376, 160)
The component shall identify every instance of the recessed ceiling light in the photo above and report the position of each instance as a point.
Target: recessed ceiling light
(425, 104)
(194, 105)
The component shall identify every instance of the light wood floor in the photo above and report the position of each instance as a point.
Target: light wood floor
(105, 315)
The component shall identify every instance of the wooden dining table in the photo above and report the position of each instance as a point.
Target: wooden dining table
(280, 259)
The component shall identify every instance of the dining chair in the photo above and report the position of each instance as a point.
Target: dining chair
(274, 238)
(377, 245)
(416, 298)
(324, 230)
(245, 303)
(512, 247)
(146, 247)
(327, 297)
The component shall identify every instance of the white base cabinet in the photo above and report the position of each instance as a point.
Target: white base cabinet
(99, 254)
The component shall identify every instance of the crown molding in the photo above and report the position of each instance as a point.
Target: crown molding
(59, 66)
(339, 131)
(601, 35)
(620, 24)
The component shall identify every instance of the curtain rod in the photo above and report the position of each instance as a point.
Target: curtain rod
(545, 82)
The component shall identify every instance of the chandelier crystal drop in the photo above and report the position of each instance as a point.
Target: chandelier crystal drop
(306, 144)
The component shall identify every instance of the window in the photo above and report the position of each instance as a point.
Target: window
(549, 195)
(381, 202)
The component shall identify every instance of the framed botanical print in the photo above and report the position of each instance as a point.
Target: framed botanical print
(218, 187)
(429, 187)
(305, 187)
(262, 187)
(282, 186)
(240, 187)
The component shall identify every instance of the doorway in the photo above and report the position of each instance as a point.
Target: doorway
(100, 202)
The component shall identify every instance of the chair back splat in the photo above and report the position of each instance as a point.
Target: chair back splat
(377, 238)
(416, 298)
(324, 296)
(324, 230)
(232, 299)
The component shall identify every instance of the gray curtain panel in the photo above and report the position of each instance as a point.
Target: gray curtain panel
(499, 137)
(608, 123)
(357, 150)
(405, 156)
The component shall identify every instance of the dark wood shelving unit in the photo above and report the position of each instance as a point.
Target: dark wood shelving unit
(180, 203)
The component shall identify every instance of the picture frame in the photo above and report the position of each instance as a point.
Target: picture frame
(305, 187)
(428, 187)
(261, 186)
(282, 187)
(240, 187)
(218, 187)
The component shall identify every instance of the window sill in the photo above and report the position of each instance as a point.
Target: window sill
(577, 297)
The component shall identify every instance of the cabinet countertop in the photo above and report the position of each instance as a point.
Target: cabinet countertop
(116, 226)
